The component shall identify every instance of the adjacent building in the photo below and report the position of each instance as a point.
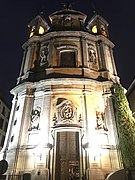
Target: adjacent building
(131, 96)
(4, 118)
(62, 121)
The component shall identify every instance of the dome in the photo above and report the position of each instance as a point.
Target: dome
(67, 19)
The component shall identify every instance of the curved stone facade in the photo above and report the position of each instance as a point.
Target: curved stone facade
(65, 124)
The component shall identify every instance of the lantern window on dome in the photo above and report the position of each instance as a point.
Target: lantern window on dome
(32, 31)
(41, 30)
(37, 26)
(98, 25)
(94, 29)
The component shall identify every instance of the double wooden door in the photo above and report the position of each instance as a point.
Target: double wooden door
(67, 156)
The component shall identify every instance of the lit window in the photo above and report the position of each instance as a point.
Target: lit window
(32, 31)
(41, 30)
(94, 29)
(31, 34)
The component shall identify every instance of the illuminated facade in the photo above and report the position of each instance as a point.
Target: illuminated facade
(62, 123)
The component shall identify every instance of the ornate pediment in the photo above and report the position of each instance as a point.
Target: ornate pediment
(66, 113)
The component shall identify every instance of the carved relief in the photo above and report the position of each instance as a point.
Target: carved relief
(92, 56)
(66, 113)
(55, 119)
(35, 118)
(100, 121)
(67, 20)
(44, 56)
(103, 30)
(80, 119)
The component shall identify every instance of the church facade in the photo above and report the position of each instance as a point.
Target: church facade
(62, 121)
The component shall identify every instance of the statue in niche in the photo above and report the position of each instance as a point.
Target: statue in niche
(43, 56)
(92, 56)
(35, 117)
(100, 121)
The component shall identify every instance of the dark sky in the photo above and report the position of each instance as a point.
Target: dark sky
(15, 15)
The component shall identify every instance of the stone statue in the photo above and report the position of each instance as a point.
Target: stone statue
(43, 56)
(35, 117)
(92, 56)
(100, 121)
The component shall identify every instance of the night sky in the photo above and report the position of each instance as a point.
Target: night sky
(15, 16)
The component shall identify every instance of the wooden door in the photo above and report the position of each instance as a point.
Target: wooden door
(67, 156)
